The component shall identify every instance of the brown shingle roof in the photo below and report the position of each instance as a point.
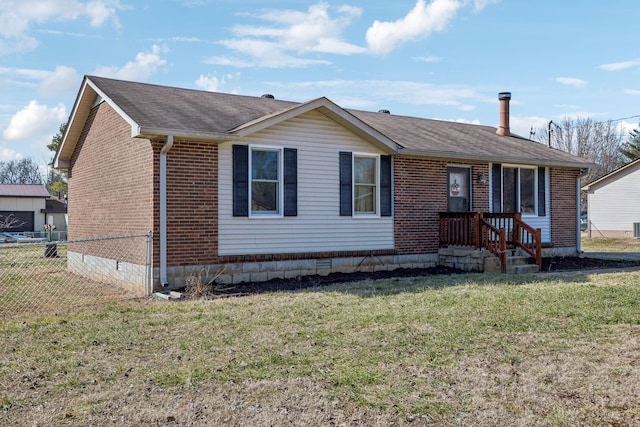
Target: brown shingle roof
(23, 190)
(171, 109)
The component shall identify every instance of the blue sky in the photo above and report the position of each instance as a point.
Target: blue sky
(441, 59)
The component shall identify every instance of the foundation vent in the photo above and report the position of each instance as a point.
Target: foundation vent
(323, 264)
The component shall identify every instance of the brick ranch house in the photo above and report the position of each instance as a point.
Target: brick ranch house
(257, 188)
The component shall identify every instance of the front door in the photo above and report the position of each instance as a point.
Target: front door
(458, 189)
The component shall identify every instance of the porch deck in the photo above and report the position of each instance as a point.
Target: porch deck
(495, 232)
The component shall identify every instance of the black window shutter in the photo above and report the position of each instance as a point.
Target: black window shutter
(541, 193)
(240, 180)
(385, 185)
(496, 182)
(346, 177)
(290, 182)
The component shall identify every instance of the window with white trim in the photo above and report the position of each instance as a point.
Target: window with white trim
(365, 184)
(265, 189)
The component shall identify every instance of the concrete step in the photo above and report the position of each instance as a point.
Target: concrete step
(522, 269)
(519, 260)
(517, 264)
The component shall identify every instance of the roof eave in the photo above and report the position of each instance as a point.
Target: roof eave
(151, 132)
(611, 174)
(85, 101)
(490, 159)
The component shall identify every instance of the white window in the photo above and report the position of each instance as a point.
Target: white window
(366, 184)
(265, 190)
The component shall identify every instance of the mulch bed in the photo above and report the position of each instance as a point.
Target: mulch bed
(548, 265)
(577, 263)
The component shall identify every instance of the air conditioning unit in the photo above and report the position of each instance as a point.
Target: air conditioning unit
(636, 230)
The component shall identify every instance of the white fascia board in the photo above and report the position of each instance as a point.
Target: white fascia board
(145, 132)
(115, 106)
(601, 181)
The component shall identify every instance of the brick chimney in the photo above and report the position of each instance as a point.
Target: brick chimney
(503, 128)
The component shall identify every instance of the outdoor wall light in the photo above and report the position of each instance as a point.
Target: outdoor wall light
(482, 178)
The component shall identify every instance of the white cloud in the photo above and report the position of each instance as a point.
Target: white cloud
(144, 65)
(478, 5)
(18, 16)
(35, 123)
(523, 125)
(632, 91)
(429, 59)
(33, 127)
(571, 81)
(419, 23)
(288, 33)
(211, 82)
(617, 66)
(626, 127)
(63, 81)
(7, 155)
(261, 53)
(26, 73)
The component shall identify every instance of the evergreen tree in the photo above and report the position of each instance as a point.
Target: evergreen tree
(57, 180)
(631, 149)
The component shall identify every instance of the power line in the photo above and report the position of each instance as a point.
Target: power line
(617, 120)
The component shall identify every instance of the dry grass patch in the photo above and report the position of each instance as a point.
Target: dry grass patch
(610, 245)
(460, 350)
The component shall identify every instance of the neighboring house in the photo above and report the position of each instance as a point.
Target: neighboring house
(24, 203)
(613, 202)
(266, 188)
(55, 213)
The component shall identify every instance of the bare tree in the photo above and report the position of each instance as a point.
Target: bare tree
(598, 142)
(23, 171)
(7, 222)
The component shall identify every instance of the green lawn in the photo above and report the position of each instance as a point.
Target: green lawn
(448, 350)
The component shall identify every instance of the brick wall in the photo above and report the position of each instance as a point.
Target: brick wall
(420, 194)
(563, 207)
(192, 202)
(111, 184)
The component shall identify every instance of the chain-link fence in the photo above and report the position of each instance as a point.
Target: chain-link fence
(54, 276)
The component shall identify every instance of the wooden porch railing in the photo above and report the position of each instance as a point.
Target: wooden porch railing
(492, 231)
(528, 239)
(458, 228)
(494, 240)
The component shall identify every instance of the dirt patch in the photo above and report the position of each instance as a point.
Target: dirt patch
(583, 263)
(304, 282)
(554, 264)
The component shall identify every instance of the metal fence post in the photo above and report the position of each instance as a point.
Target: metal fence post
(149, 264)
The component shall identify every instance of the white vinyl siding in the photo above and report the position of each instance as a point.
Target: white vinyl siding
(318, 226)
(614, 204)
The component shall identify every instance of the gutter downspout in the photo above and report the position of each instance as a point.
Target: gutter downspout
(579, 212)
(163, 210)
